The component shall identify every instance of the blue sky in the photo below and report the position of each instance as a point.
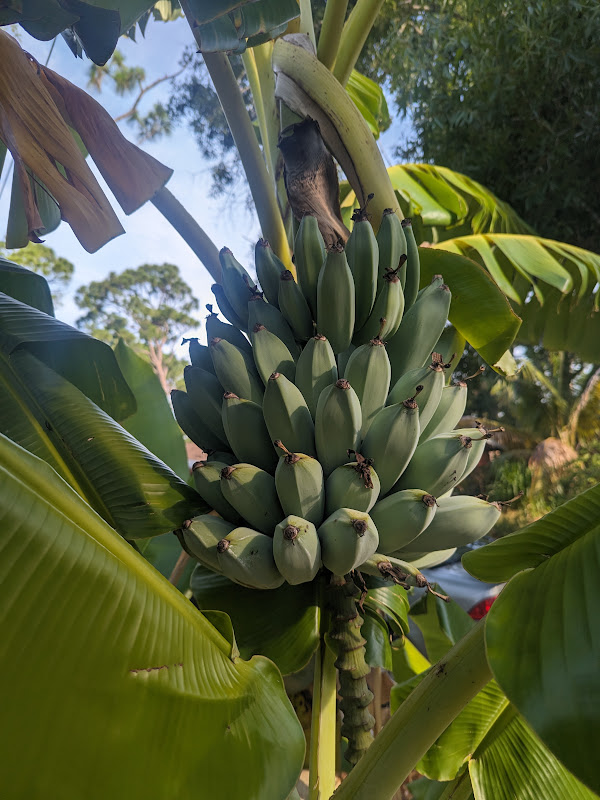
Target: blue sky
(148, 237)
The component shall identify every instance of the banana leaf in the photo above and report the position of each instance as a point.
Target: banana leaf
(113, 684)
(26, 286)
(549, 610)
(130, 488)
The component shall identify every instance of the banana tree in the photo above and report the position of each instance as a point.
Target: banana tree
(95, 481)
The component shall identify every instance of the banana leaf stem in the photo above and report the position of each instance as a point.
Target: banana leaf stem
(321, 782)
(250, 66)
(459, 789)
(331, 31)
(189, 230)
(306, 21)
(354, 35)
(423, 716)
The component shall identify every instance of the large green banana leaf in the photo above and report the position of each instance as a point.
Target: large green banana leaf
(26, 286)
(87, 363)
(113, 684)
(504, 758)
(548, 616)
(136, 493)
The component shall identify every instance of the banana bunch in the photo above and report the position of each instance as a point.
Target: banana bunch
(329, 416)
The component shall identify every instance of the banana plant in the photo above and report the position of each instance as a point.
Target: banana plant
(102, 473)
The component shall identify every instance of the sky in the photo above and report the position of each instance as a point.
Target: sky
(148, 236)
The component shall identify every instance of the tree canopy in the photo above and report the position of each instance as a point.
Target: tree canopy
(148, 307)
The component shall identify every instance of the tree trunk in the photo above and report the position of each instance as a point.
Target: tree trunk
(156, 359)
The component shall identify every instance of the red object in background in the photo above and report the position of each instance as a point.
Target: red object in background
(481, 609)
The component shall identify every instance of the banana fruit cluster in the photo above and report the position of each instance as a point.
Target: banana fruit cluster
(328, 414)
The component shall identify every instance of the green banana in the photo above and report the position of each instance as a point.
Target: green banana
(251, 491)
(458, 521)
(393, 569)
(335, 300)
(354, 485)
(206, 395)
(369, 372)
(420, 329)
(294, 307)
(309, 255)
(297, 550)
(348, 538)
(199, 355)
(226, 308)
(237, 284)
(215, 329)
(262, 313)
(387, 312)
(431, 378)
(247, 433)
(392, 245)
(450, 345)
(338, 421)
(201, 536)
(224, 456)
(413, 264)
(270, 354)
(362, 252)
(207, 480)
(426, 560)
(343, 358)
(402, 517)
(246, 557)
(268, 270)
(300, 485)
(287, 416)
(315, 369)
(192, 423)
(437, 464)
(236, 371)
(450, 409)
(392, 440)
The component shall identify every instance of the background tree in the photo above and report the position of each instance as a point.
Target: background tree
(58, 271)
(149, 307)
(504, 92)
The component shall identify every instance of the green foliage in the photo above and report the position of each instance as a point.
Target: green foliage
(150, 305)
(502, 92)
(58, 271)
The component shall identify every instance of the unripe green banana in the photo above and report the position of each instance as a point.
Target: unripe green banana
(309, 255)
(450, 408)
(335, 300)
(392, 245)
(268, 270)
(391, 441)
(315, 370)
(353, 485)
(362, 252)
(450, 346)
(420, 329)
(437, 464)
(206, 395)
(236, 371)
(262, 313)
(387, 312)
(199, 355)
(270, 354)
(338, 422)
(192, 423)
(251, 491)
(224, 456)
(297, 550)
(247, 433)
(348, 538)
(245, 556)
(207, 480)
(458, 521)
(226, 308)
(401, 517)
(431, 378)
(237, 284)
(300, 485)
(369, 372)
(201, 536)
(287, 416)
(426, 560)
(215, 329)
(413, 265)
(393, 569)
(343, 358)
(294, 307)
